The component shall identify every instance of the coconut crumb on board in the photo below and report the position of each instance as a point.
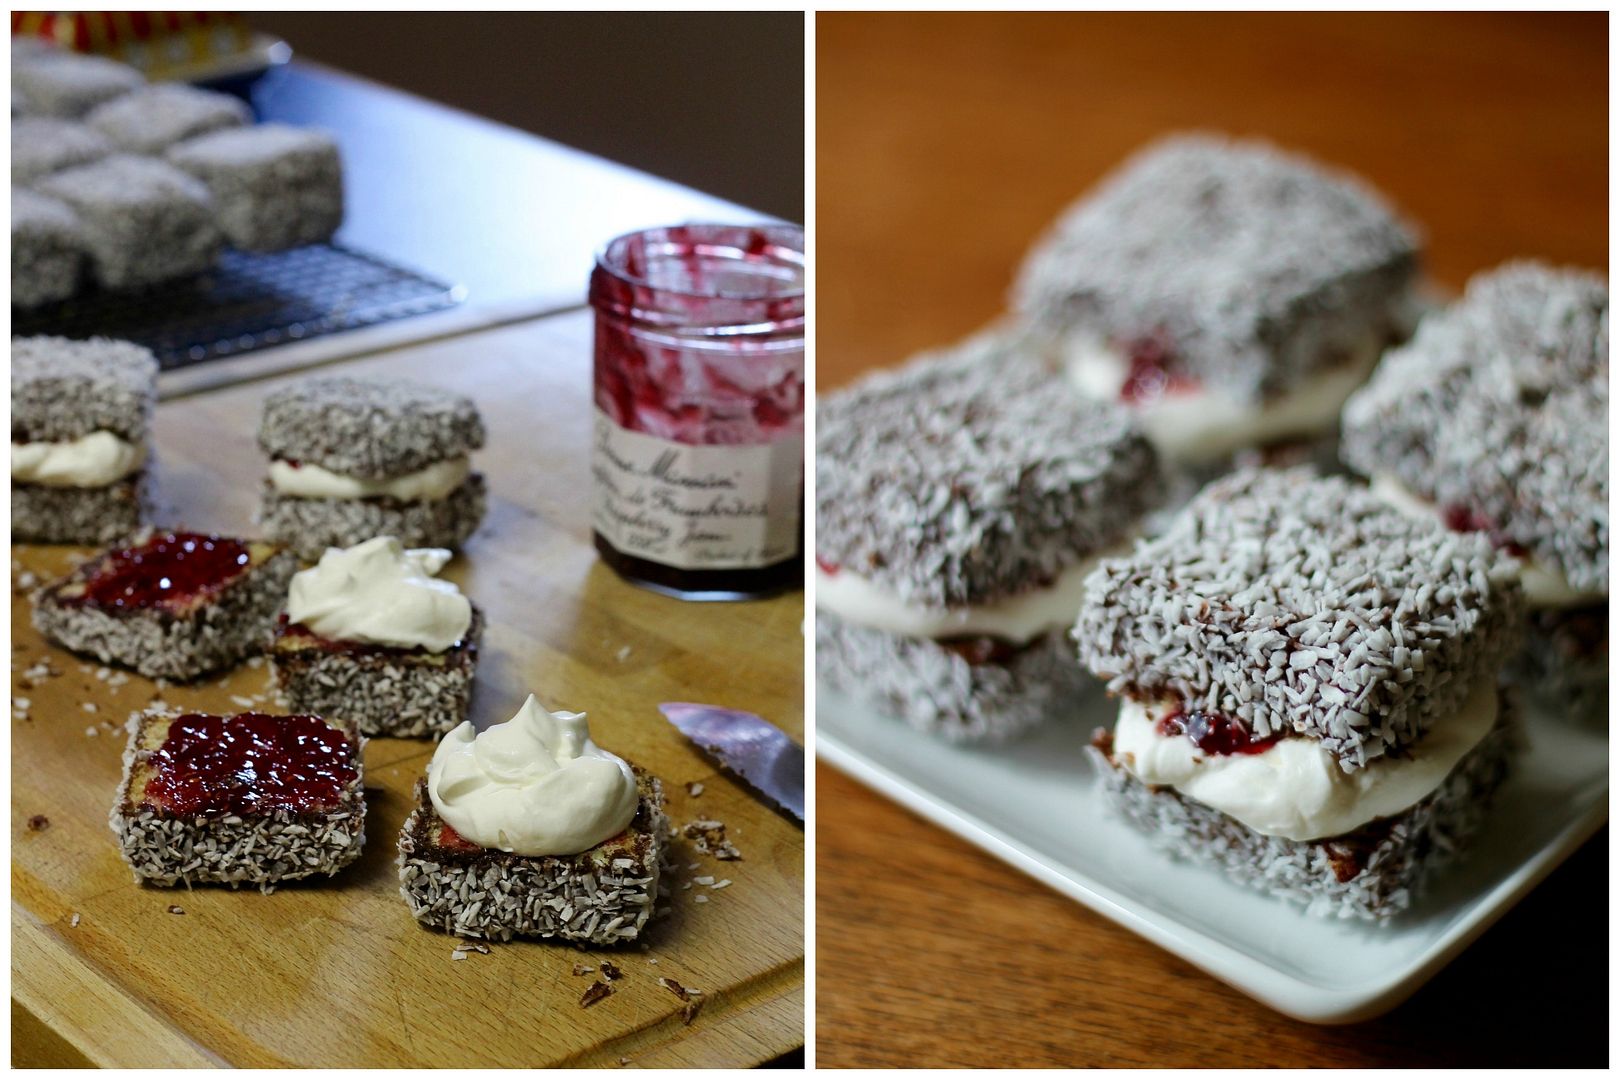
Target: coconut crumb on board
(594, 993)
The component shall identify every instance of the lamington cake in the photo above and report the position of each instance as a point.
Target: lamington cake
(960, 502)
(42, 145)
(355, 458)
(1227, 293)
(143, 222)
(154, 118)
(1309, 688)
(529, 829)
(63, 83)
(47, 249)
(372, 635)
(277, 187)
(245, 799)
(80, 414)
(1496, 418)
(172, 605)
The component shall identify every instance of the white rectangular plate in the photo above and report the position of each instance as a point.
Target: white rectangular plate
(1038, 805)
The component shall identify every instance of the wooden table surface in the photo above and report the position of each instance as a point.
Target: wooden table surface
(338, 973)
(944, 145)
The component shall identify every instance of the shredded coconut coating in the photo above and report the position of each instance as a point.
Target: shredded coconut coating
(153, 118)
(63, 390)
(41, 145)
(973, 474)
(47, 249)
(1257, 268)
(143, 221)
(61, 82)
(1500, 406)
(276, 187)
(370, 428)
(1299, 603)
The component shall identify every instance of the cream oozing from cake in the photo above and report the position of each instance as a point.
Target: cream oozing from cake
(307, 481)
(535, 785)
(380, 593)
(1201, 424)
(1294, 788)
(1018, 619)
(91, 461)
(1544, 586)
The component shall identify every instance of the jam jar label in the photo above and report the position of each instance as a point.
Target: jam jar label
(696, 507)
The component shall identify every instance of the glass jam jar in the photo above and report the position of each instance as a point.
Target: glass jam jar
(697, 458)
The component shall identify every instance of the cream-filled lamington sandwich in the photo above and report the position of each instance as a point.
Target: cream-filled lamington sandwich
(80, 417)
(353, 458)
(1309, 688)
(1496, 418)
(1229, 294)
(529, 829)
(372, 634)
(960, 502)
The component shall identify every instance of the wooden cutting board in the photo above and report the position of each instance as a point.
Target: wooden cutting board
(337, 973)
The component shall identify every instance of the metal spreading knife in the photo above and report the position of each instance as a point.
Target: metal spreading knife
(751, 749)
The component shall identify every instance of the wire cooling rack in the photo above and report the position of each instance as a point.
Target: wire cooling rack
(247, 302)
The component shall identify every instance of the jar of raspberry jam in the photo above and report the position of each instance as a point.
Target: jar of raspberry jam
(697, 457)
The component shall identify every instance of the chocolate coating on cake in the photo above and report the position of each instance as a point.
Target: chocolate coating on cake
(1257, 268)
(1300, 603)
(972, 475)
(1499, 406)
(62, 389)
(372, 428)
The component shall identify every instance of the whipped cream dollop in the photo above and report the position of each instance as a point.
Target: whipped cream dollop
(1202, 425)
(90, 461)
(1018, 619)
(1294, 788)
(535, 785)
(307, 481)
(379, 593)
(1544, 586)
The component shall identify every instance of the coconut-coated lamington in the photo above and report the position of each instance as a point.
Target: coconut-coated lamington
(258, 840)
(602, 896)
(63, 390)
(963, 479)
(1257, 269)
(370, 429)
(42, 145)
(63, 83)
(1499, 405)
(47, 249)
(1304, 604)
(277, 187)
(154, 118)
(143, 222)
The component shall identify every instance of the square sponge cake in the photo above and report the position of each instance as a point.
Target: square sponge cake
(1303, 604)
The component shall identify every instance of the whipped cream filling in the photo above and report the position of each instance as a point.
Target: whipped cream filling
(1544, 586)
(379, 593)
(1018, 619)
(1295, 789)
(1202, 425)
(306, 481)
(535, 785)
(90, 461)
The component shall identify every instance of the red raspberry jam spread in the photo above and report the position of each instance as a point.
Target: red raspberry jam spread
(1152, 373)
(826, 566)
(1215, 734)
(1460, 518)
(169, 570)
(454, 841)
(250, 764)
